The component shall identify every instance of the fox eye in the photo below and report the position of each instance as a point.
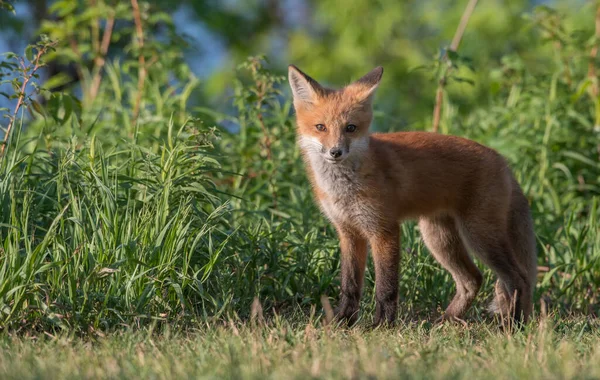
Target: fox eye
(350, 128)
(320, 127)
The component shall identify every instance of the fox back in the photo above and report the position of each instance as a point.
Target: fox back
(463, 194)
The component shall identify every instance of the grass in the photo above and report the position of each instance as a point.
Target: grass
(551, 348)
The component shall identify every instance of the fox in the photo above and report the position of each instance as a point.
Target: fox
(463, 194)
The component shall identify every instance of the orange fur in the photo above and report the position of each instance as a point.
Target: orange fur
(463, 194)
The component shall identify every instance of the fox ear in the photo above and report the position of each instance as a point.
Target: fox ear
(304, 88)
(365, 87)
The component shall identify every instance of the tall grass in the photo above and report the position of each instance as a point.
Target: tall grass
(107, 223)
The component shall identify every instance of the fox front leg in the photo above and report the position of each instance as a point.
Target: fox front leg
(353, 261)
(386, 256)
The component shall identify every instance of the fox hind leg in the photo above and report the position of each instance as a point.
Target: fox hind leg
(522, 238)
(491, 244)
(442, 237)
(501, 304)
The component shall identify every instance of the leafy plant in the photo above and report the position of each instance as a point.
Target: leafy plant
(125, 200)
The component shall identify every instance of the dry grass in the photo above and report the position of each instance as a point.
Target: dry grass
(553, 348)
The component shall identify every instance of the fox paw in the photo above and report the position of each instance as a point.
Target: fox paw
(383, 323)
(449, 318)
(346, 314)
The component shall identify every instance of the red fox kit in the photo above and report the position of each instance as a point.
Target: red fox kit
(463, 194)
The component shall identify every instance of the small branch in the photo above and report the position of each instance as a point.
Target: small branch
(142, 60)
(22, 94)
(110, 23)
(546, 269)
(464, 20)
(437, 110)
(100, 59)
(460, 30)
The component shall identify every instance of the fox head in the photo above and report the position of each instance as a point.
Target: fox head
(333, 125)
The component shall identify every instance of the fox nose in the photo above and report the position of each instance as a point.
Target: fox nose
(335, 152)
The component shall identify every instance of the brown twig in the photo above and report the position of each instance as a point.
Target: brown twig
(460, 30)
(22, 95)
(100, 58)
(437, 110)
(545, 269)
(464, 20)
(142, 60)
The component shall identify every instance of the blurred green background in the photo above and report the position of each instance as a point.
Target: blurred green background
(335, 41)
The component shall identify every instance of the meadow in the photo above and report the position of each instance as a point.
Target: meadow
(549, 349)
(145, 235)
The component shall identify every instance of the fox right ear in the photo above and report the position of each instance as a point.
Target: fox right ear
(365, 87)
(304, 88)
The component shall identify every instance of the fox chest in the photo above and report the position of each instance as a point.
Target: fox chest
(343, 199)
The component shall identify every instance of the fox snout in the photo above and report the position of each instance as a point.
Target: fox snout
(336, 148)
(336, 153)
(318, 149)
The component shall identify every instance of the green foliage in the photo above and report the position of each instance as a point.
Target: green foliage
(5, 5)
(128, 85)
(99, 234)
(122, 205)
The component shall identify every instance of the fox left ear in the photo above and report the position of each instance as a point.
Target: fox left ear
(365, 87)
(305, 89)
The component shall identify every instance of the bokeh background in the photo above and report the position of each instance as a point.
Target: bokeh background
(335, 41)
